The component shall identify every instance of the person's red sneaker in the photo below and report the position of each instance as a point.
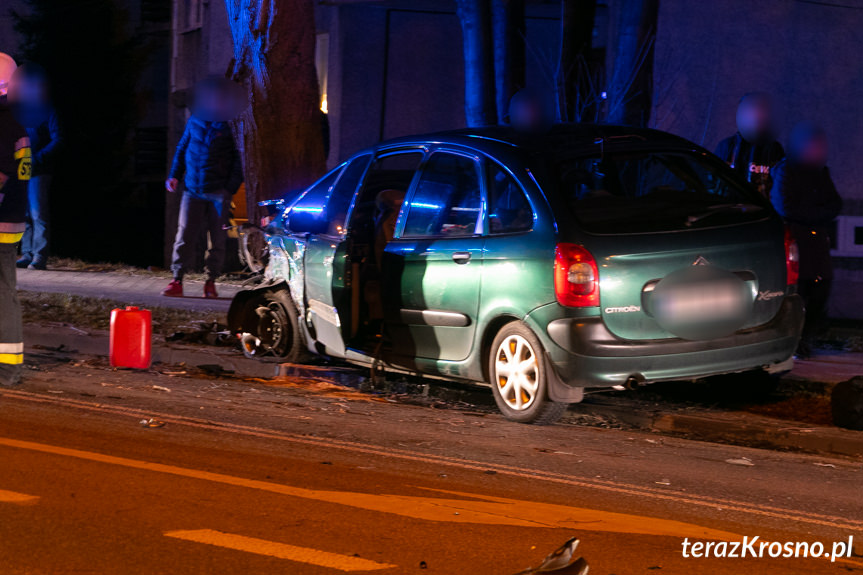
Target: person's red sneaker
(174, 289)
(210, 290)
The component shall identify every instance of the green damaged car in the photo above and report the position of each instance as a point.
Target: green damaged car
(538, 264)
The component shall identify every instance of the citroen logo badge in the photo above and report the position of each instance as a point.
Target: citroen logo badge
(701, 261)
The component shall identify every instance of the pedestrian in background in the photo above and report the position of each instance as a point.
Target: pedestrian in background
(209, 163)
(29, 93)
(753, 150)
(14, 175)
(804, 195)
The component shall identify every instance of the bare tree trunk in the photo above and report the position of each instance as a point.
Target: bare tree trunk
(630, 91)
(508, 29)
(479, 93)
(576, 39)
(274, 55)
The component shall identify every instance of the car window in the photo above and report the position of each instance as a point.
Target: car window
(636, 192)
(314, 200)
(383, 190)
(508, 208)
(447, 201)
(342, 193)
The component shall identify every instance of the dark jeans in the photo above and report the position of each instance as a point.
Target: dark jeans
(815, 295)
(11, 334)
(34, 245)
(199, 212)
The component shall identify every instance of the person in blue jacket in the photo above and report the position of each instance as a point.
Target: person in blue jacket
(209, 163)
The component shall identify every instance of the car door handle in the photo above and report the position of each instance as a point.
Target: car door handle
(461, 258)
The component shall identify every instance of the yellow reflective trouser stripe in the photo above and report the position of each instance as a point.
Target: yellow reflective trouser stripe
(11, 358)
(6, 238)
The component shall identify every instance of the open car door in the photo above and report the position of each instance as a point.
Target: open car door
(327, 270)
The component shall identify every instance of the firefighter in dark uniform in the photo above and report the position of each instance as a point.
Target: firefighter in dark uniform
(14, 175)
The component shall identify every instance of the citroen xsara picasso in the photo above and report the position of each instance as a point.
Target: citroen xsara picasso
(589, 256)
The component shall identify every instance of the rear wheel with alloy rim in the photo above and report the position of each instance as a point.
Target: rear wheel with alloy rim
(518, 377)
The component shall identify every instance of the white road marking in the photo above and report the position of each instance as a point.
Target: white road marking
(13, 497)
(279, 550)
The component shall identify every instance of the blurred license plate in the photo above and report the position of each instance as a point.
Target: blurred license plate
(699, 302)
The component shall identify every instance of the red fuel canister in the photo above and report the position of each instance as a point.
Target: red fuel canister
(131, 337)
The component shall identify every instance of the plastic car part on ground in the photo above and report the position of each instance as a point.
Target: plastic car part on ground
(562, 561)
(152, 423)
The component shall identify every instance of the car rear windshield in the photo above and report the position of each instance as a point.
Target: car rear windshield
(638, 192)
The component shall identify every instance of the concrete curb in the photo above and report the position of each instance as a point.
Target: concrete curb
(740, 429)
(760, 432)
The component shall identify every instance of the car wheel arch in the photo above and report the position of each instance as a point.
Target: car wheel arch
(240, 313)
(492, 328)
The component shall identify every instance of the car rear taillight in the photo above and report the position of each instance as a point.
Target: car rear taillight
(576, 277)
(792, 259)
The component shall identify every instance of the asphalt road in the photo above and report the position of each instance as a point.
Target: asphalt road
(298, 477)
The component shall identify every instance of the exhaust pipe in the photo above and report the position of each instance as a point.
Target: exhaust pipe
(632, 382)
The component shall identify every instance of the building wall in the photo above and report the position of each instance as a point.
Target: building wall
(397, 68)
(807, 54)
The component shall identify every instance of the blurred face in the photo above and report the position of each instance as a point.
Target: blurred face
(526, 116)
(813, 152)
(28, 90)
(218, 100)
(754, 118)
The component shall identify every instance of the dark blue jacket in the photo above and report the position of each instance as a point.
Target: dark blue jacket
(46, 141)
(208, 158)
(752, 161)
(808, 202)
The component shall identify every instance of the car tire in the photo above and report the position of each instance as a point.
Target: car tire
(277, 330)
(518, 378)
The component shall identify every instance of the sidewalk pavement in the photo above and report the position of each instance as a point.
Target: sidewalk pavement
(138, 290)
(830, 367)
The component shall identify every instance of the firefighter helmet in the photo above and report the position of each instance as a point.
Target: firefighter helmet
(7, 67)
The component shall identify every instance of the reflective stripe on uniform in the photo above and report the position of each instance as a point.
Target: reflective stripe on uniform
(24, 156)
(11, 353)
(11, 233)
(10, 238)
(11, 358)
(11, 348)
(12, 227)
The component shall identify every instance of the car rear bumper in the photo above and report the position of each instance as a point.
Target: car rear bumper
(585, 354)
